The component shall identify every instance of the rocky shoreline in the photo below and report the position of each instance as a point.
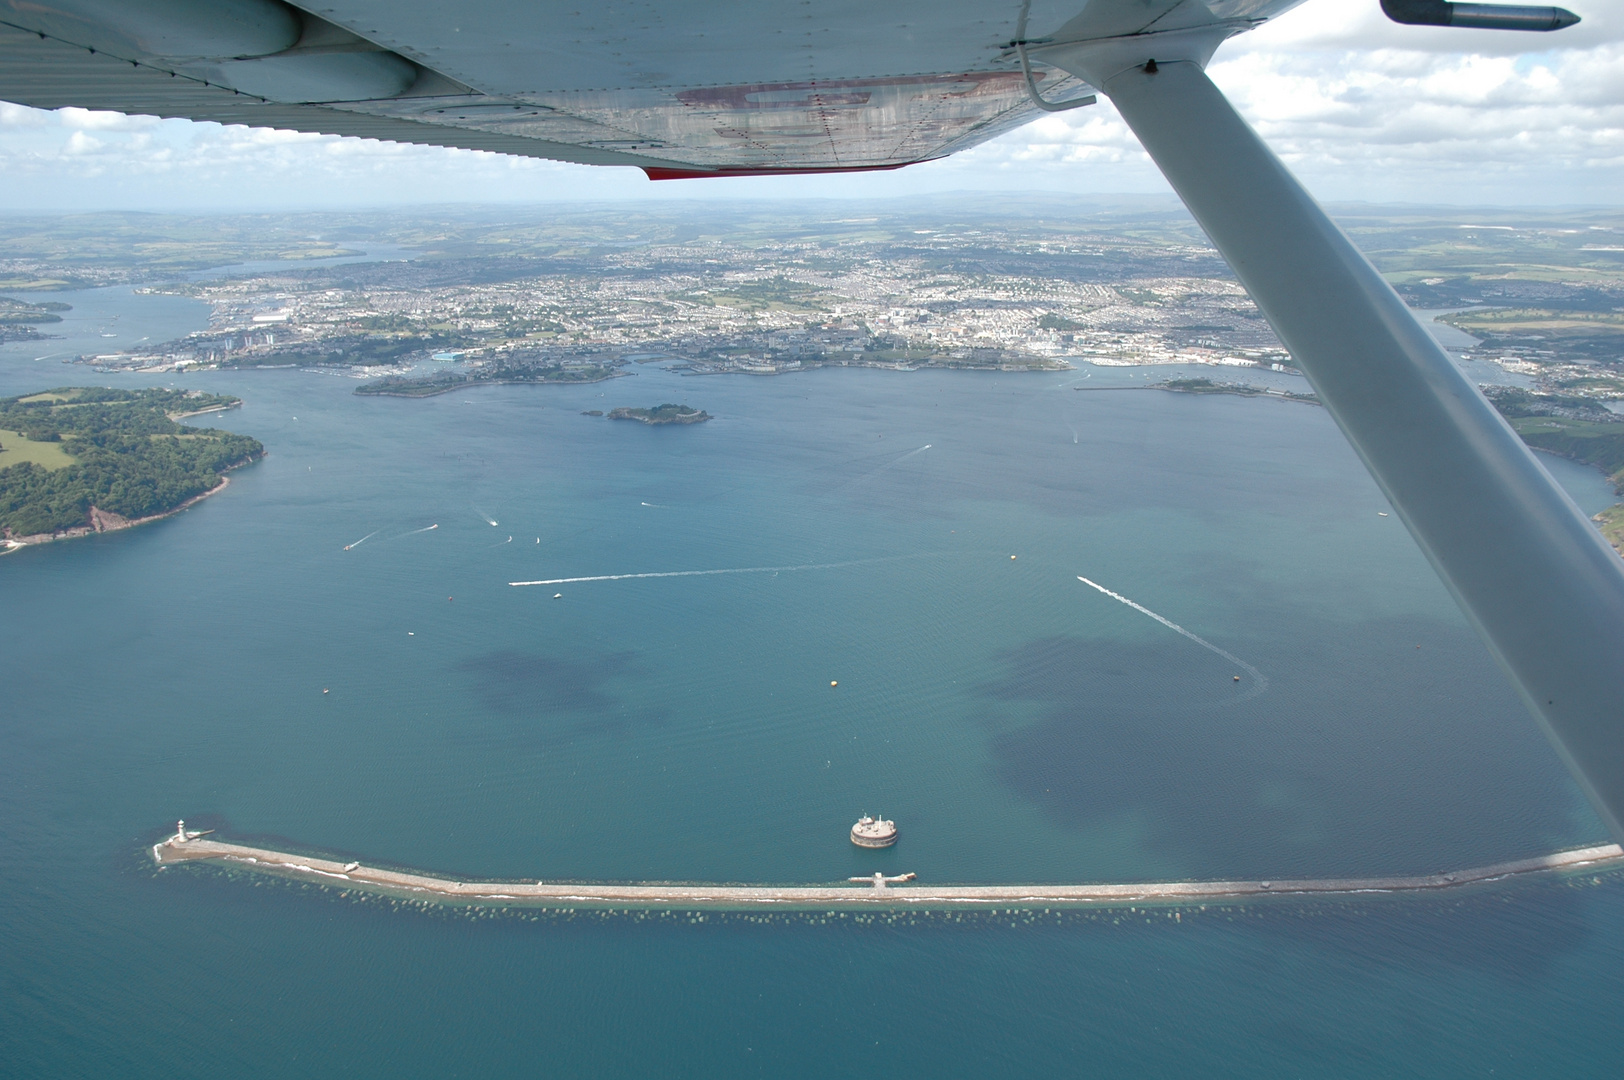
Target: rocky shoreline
(105, 521)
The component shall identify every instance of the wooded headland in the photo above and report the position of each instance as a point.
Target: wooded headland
(88, 459)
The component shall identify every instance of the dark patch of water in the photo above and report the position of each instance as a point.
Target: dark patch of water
(1333, 764)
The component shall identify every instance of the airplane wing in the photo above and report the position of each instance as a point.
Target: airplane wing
(731, 87)
(688, 89)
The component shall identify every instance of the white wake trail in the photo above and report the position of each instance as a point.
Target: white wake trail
(364, 539)
(1260, 682)
(893, 463)
(708, 573)
(900, 460)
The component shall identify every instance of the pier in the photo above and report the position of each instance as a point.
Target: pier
(902, 892)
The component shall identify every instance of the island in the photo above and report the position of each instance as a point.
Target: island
(79, 460)
(661, 414)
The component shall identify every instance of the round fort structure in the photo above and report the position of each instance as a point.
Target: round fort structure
(873, 832)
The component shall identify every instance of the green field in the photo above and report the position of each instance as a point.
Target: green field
(777, 294)
(1589, 442)
(1611, 521)
(16, 448)
(1484, 322)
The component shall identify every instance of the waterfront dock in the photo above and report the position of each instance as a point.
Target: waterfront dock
(871, 894)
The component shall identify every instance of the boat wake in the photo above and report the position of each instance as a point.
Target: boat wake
(1260, 682)
(893, 463)
(709, 573)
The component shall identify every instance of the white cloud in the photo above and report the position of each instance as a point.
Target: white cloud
(1364, 108)
(79, 144)
(96, 120)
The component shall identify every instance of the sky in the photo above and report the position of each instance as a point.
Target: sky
(1361, 108)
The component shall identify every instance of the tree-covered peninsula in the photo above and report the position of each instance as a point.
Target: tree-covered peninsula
(18, 318)
(88, 459)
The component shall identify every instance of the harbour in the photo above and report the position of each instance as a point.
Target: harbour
(1017, 726)
(877, 891)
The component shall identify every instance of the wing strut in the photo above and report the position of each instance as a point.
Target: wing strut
(1535, 577)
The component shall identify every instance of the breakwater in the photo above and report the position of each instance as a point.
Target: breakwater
(877, 893)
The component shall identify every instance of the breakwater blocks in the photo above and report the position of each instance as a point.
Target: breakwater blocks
(895, 893)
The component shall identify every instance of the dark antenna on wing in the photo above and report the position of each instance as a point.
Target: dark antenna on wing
(1026, 71)
(1481, 16)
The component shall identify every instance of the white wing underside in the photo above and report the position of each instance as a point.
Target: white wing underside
(773, 85)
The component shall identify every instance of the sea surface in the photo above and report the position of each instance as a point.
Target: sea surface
(302, 658)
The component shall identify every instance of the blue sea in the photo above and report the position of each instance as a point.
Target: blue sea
(914, 537)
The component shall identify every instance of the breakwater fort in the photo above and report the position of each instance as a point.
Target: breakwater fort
(879, 892)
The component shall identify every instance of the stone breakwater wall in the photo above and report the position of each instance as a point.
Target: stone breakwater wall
(351, 875)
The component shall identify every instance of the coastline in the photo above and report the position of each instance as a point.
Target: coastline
(1232, 390)
(1217, 390)
(201, 412)
(698, 896)
(362, 391)
(101, 521)
(686, 369)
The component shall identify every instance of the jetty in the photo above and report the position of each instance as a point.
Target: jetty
(901, 891)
